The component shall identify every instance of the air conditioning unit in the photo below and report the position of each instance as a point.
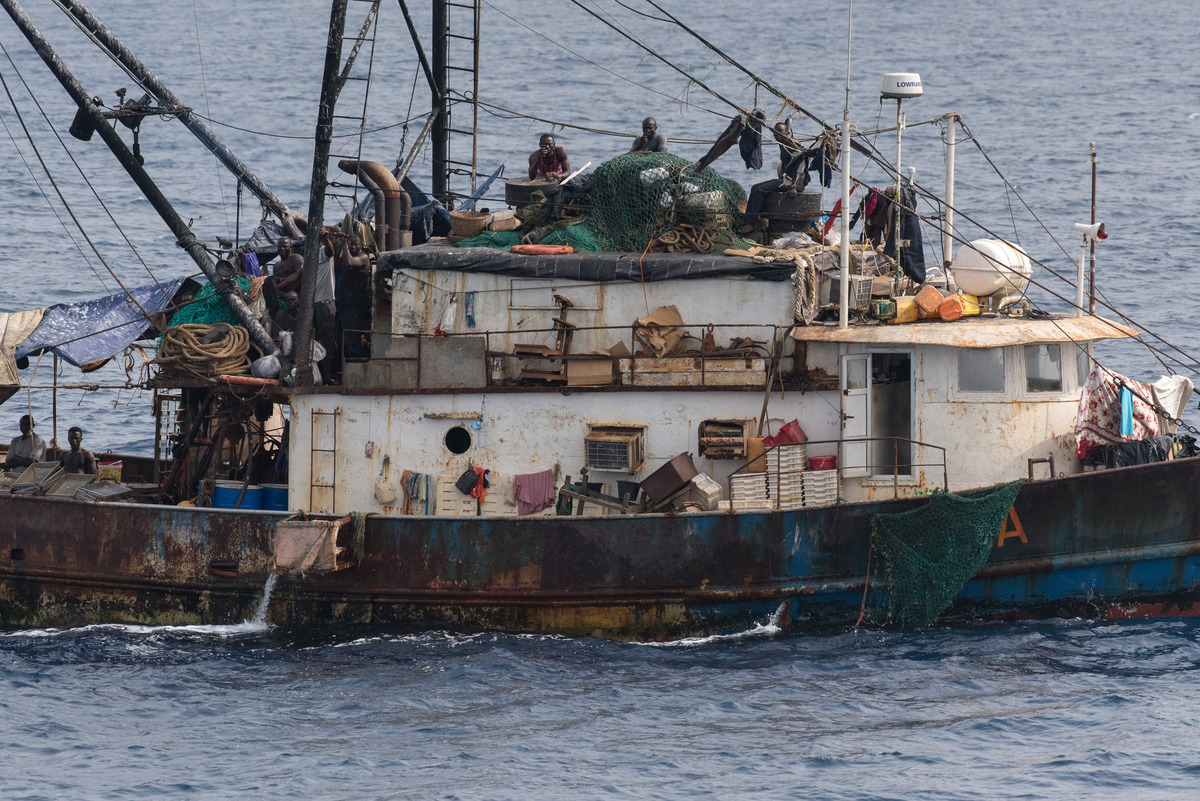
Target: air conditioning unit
(860, 290)
(615, 448)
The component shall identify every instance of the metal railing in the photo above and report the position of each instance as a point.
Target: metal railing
(494, 349)
(778, 476)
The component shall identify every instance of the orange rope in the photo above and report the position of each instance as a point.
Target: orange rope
(643, 274)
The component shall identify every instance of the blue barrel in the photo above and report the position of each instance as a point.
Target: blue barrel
(275, 497)
(225, 495)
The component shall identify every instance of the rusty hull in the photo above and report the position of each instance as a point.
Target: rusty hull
(1110, 544)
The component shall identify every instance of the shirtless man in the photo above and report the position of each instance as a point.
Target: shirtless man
(289, 268)
(77, 460)
(651, 141)
(549, 161)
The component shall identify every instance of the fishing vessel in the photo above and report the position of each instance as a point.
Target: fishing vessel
(820, 434)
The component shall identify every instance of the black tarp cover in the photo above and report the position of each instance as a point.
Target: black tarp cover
(584, 266)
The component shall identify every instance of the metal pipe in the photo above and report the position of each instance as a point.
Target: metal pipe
(948, 217)
(402, 171)
(316, 203)
(844, 295)
(440, 104)
(1092, 249)
(393, 206)
(159, 90)
(412, 31)
(183, 234)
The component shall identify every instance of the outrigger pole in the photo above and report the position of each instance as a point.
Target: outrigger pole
(184, 236)
(165, 96)
(316, 203)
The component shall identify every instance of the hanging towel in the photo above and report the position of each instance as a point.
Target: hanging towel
(1126, 412)
(408, 487)
(534, 491)
(250, 264)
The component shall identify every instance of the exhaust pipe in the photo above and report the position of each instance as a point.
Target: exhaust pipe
(393, 206)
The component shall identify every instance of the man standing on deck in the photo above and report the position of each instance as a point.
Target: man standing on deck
(289, 269)
(77, 460)
(549, 162)
(651, 141)
(26, 449)
(353, 298)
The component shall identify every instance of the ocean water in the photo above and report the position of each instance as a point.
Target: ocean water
(1062, 709)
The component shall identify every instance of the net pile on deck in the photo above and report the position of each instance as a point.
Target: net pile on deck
(928, 554)
(634, 202)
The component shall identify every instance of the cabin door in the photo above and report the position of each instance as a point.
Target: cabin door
(856, 414)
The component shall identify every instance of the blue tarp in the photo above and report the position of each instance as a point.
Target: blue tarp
(95, 330)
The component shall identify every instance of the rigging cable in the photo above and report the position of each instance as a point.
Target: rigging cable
(204, 87)
(583, 58)
(82, 174)
(62, 198)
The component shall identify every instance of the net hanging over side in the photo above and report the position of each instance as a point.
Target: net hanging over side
(928, 554)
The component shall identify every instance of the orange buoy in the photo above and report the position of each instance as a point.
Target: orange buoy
(248, 381)
(542, 250)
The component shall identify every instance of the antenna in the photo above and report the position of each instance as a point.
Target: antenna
(900, 86)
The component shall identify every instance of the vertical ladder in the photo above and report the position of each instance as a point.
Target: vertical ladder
(166, 427)
(462, 66)
(353, 96)
(323, 444)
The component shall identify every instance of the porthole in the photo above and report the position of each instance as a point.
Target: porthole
(458, 440)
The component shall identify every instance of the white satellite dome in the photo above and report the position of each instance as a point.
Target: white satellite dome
(991, 266)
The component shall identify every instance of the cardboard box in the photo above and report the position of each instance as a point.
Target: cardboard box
(590, 372)
(595, 369)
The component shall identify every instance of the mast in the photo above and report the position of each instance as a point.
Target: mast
(184, 236)
(165, 96)
(316, 202)
(441, 104)
(844, 299)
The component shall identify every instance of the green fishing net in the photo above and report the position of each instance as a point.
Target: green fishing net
(928, 554)
(208, 307)
(638, 196)
(632, 199)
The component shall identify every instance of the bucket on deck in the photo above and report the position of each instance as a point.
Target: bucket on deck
(225, 495)
(275, 497)
(822, 462)
(108, 471)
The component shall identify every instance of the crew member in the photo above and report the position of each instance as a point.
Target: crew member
(25, 449)
(549, 162)
(77, 460)
(290, 267)
(353, 296)
(651, 141)
(793, 175)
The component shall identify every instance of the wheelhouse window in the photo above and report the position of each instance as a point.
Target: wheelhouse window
(1043, 368)
(981, 370)
(1083, 364)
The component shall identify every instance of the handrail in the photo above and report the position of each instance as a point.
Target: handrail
(757, 350)
(841, 465)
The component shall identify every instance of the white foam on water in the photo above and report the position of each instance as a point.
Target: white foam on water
(768, 629)
(256, 625)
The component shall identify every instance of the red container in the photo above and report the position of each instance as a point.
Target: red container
(791, 432)
(822, 463)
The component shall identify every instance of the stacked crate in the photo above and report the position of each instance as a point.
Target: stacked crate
(748, 491)
(820, 487)
(785, 468)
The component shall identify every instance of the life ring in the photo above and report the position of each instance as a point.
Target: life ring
(248, 381)
(542, 250)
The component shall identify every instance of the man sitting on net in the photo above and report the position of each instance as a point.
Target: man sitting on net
(651, 141)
